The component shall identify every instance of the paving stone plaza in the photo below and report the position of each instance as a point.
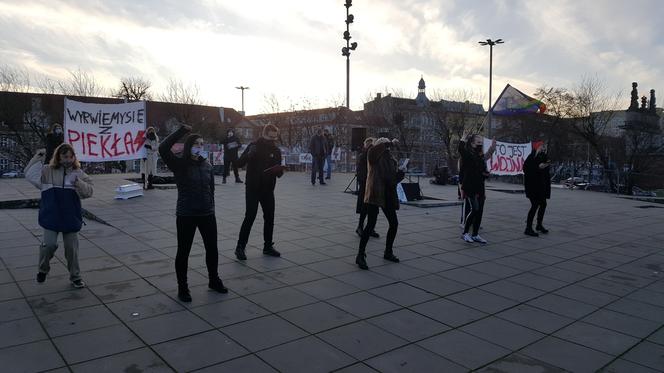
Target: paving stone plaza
(589, 296)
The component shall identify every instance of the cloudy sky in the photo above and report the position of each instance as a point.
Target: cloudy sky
(291, 48)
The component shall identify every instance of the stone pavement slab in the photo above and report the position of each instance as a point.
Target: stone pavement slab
(588, 296)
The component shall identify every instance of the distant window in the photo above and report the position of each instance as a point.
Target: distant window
(4, 163)
(4, 141)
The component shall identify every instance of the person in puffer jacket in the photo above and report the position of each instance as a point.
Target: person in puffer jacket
(195, 207)
(63, 184)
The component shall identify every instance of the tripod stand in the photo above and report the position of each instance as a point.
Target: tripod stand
(348, 189)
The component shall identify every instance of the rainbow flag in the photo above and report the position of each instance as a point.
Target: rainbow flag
(513, 102)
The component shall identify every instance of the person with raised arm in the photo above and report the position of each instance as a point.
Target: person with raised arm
(195, 207)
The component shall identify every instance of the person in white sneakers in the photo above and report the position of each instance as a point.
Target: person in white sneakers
(474, 171)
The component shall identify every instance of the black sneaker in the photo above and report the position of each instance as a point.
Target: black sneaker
(374, 234)
(78, 284)
(183, 294)
(361, 261)
(238, 180)
(270, 251)
(327, 178)
(540, 228)
(359, 231)
(391, 257)
(239, 253)
(217, 285)
(530, 232)
(322, 183)
(41, 277)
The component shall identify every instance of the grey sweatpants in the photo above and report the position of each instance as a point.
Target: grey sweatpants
(50, 244)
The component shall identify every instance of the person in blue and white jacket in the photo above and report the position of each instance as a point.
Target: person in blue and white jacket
(63, 184)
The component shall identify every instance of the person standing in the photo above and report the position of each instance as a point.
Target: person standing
(149, 163)
(537, 182)
(474, 171)
(63, 184)
(54, 138)
(329, 142)
(318, 150)
(381, 192)
(263, 160)
(361, 171)
(231, 146)
(195, 207)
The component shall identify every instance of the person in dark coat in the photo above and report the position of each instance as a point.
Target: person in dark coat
(318, 150)
(537, 182)
(361, 171)
(329, 143)
(231, 146)
(54, 138)
(195, 207)
(263, 160)
(381, 192)
(474, 171)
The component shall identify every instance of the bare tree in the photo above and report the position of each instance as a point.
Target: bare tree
(181, 93)
(134, 89)
(14, 79)
(80, 83)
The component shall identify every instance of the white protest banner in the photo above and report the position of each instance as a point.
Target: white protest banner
(105, 132)
(217, 158)
(508, 158)
(306, 158)
(336, 153)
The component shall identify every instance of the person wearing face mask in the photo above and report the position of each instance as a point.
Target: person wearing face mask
(54, 138)
(474, 171)
(263, 160)
(63, 184)
(537, 182)
(195, 207)
(149, 163)
(231, 146)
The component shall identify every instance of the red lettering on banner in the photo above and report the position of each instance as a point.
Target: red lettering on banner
(115, 147)
(507, 164)
(104, 150)
(73, 136)
(139, 140)
(129, 143)
(91, 141)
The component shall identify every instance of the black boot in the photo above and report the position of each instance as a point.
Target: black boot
(150, 178)
(238, 180)
(239, 252)
(389, 255)
(268, 249)
(374, 234)
(183, 293)
(217, 285)
(143, 180)
(540, 228)
(361, 261)
(530, 232)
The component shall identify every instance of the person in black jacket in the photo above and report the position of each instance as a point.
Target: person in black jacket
(195, 207)
(537, 182)
(361, 173)
(231, 146)
(263, 161)
(54, 138)
(318, 150)
(474, 171)
(381, 191)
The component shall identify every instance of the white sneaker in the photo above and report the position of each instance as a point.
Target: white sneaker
(478, 239)
(466, 237)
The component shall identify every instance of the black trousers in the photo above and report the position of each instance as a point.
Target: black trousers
(539, 206)
(317, 166)
(253, 199)
(474, 217)
(186, 229)
(228, 161)
(372, 215)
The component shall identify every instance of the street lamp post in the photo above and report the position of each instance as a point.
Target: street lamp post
(490, 43)
(242, 88)
(345, 51)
